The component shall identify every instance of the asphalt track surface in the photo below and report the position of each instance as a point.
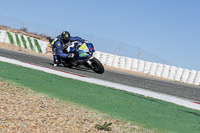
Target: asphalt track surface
(184, 91)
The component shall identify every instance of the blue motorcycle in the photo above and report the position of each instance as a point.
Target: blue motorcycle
(83, 56)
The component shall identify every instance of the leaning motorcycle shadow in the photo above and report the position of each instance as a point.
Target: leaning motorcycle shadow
(79, 68)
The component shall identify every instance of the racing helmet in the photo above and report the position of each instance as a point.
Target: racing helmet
(65, 36)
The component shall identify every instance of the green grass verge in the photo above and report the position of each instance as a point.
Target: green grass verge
(18, 41)
(37, 45)
(10, 38)
(31, 44)
(143, 111)
(24, 42)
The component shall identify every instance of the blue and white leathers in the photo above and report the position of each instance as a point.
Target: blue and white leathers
(57, 45)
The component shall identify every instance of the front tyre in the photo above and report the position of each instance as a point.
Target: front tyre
(97, 66)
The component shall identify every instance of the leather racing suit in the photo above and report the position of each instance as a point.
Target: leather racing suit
(57, 48)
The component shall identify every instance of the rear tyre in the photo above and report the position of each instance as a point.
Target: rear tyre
(97, 66)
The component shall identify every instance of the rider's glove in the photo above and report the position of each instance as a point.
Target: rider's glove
(71, 55)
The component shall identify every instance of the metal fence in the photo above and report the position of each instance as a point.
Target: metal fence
(101, 44)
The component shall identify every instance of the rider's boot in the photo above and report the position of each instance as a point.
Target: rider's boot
(56, 61)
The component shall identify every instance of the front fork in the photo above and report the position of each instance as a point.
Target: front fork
(89, 62)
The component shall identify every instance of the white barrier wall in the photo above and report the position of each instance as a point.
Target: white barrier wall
(134, 64)
(31, 45)
(197, 78)
(159, 70)
(150, 68)
(141, 66)
(178, 74)
(153, 68)
(172, 72)
(115, 61)
(147, 67)
(128, 63)
(165, 71)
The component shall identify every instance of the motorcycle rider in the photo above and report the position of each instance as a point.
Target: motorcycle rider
(64, 39)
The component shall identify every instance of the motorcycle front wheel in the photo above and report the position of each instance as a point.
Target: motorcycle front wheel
(97, 66)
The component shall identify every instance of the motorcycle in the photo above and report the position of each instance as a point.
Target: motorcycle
(83, 56)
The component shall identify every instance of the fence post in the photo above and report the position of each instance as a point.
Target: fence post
(139, 54)
(119, 48)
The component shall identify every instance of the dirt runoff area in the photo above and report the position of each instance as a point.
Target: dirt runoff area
(22, 110)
